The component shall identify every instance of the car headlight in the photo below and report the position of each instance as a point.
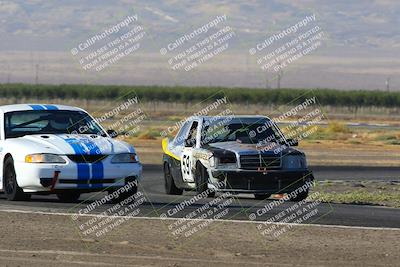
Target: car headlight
(125, 158)
(294, 162)
(225, 162)
(212, 161)
(44, 158)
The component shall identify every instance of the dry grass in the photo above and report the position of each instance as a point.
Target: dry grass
(365, 192)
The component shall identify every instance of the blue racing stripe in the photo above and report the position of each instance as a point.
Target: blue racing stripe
(97, 167)
(50, 107)
(83, 171)
(97, 170)
(37, 107)
(93, 149)
(83, 168)
(73, 143)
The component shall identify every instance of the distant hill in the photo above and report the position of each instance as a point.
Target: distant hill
(51, 25)
(360, 48)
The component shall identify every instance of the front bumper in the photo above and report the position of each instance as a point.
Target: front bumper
(32, 177)
(269, 182)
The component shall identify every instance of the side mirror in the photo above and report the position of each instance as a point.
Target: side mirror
(112, 133)
(292, 142)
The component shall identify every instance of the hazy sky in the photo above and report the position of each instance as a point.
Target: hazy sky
(335, 44)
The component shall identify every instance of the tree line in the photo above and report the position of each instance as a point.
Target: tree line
(331, 97)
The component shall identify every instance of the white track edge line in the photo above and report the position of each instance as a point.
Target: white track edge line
(216, 220)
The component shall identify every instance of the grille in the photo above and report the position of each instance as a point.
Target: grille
(257, 161)
(86, 158)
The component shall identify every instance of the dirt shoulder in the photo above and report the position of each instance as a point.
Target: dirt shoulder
(380, 193)
(49, 240)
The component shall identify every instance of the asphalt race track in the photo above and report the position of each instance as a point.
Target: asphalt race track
(356, 173)
(157, 203)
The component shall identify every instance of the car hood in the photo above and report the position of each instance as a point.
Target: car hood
(71, 144)
(249, 149)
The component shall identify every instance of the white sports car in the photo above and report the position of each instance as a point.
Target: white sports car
(59, 149)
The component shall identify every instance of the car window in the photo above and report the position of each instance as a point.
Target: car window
(180, 137)
(191, 138)
(245, 131)
(28, 122)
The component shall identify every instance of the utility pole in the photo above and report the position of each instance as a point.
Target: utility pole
(266, 82)
(248, 74)
(8, 73)
(278, 79)
(37, 74)
(387, 84)
(279, 76)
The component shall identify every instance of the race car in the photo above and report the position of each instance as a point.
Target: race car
(58, 149)
(238, 154)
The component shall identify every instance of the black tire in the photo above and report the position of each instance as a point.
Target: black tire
(201, 180)
(261, 196)
(11, 189)
(300, 196)
(170, 187)
(69, 196)
(124, 195)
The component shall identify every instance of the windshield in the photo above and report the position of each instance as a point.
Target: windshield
(28, 122)
(248, 131)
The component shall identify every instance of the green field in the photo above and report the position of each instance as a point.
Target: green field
(326, 97)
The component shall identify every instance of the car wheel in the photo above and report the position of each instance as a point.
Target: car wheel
(69, 196)
(11, 189)
(201, 179)
(170, 187)
(261, 196)
(123, 195)
(300, 196)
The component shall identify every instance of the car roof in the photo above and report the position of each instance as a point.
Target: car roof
(22, 107)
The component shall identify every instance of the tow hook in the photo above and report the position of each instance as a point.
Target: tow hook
(54, 180)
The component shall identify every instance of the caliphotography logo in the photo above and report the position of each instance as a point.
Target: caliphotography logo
(194, 133)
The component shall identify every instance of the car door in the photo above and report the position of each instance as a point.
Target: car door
(176, 147)
(187, 153)
(2, 143)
